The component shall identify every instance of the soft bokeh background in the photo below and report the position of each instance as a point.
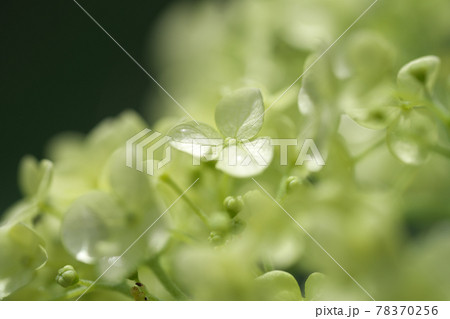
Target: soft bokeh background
(60, 72)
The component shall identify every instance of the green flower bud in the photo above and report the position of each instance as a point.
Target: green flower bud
(67, 276)
(292, 182)
(219, 221)
(233, 205)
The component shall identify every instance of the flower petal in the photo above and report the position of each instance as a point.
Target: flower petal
(199, 140)
(21, 253)
(246, 159)
(278, 285)
(419, 75)
(240, 114)
(411, 137)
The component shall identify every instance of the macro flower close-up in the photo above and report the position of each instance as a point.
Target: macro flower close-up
(240, 150)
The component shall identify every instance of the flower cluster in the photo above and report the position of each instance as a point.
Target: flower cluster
(375, 108)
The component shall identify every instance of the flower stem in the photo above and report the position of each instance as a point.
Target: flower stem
(149, 295)
(282, 189)
(169, 181)
(72, 294)
(225, 183)
(444, 151)
(135, 278)
(439, 109)
(368, 150)
(122, 287)
(171, 287)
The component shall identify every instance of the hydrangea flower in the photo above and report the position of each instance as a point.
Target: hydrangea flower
(86, 206)
(413, 134)
(21, 248)
(239, 118)
(22, 253)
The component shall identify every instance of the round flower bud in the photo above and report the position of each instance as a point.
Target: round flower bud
(219, 221)
(67, 276)
(292, 182)
(233, 205)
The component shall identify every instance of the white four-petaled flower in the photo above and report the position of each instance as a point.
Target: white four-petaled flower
(239, 117)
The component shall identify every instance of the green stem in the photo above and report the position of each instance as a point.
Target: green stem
(72, 294)
(149, 295)
(135, 277)
(169, 181)
(282, 189)
(224, 186)
(444, 151)
(368, 150)
(170, 286)
(439, 109)
(80, 288)
(122, 287)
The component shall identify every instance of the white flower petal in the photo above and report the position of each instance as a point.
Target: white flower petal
(246, 159)
(240, 114)
(199, 140)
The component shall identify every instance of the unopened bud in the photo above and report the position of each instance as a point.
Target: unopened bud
(67, 276)
(292, 182)
(233, 205)
(219, 221)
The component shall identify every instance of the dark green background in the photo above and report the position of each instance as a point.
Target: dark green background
(60, 72)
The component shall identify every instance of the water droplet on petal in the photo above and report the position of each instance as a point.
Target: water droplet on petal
(93, 227)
